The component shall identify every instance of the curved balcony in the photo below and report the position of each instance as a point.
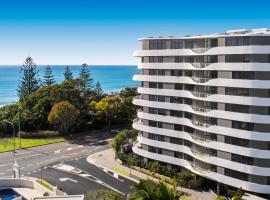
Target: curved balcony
(200, 65)
(199, 169)
(200, 124)
(199, 94)
(137, 97)
(199, 109)
(199, 139)
(200, 80)
(200, 50)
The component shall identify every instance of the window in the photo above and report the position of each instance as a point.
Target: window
(157, 44)
(236, 174)
(177, 44)
(242, 125)
(174, 140)
(178, 154)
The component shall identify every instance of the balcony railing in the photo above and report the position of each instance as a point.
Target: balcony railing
(199, 94)
(137, 144)
(198, 168)
(201, 50)
(200, 124)
(200, 154)
(200, 65)
(200, 80)
(138, 97)
(199, 139)
(198, 109)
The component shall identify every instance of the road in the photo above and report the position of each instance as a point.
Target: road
(38, 162)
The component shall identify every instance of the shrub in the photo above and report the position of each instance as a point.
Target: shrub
(38, 134)
(219, 197)
(63, 116)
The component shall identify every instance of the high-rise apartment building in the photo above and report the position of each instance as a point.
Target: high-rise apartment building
(205, 105)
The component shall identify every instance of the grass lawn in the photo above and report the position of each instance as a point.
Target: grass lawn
(121, 171)
(7, 145)
(45, 184)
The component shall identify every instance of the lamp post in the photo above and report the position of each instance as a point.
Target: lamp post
(15, 165)
(19, 125)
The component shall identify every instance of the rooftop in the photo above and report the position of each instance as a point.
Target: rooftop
(239, 32)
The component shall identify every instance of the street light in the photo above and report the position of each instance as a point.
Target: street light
(19, 125)
(15, 164)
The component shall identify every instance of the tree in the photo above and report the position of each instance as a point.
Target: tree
(107, 108)
(48, 77)
(153, 167)
(130, 162)
(128, 92)
(86, 81)
(29, 81)
(98, 89)
(98, 92)
(150, 190)
(63, 115)
(103, 195)
(68, 74)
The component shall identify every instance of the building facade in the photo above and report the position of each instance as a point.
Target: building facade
(205, 105)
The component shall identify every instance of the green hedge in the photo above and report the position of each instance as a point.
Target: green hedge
(38, 134)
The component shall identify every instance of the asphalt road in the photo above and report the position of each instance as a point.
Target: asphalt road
(37, 162)
(73, 184)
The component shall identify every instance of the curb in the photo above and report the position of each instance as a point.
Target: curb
(110, 170)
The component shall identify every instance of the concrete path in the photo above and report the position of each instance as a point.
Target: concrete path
(105, 159)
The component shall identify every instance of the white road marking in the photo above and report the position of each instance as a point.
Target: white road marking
(6, 164)
(57, 151)
(69, 149)
(115, 175)
(68, 179)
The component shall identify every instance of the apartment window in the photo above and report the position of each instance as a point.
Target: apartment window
(177, 44)
(157, 44)
(242, 159)
(236, 141)
(236, 174)
(174, 140)
(178, 154)
(237, 41)
(237, 91)
(243, 75)
(242, 125)
(178, 127)
(237, 108)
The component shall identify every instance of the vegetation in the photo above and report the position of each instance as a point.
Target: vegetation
(238, 194)
(43, 114)
(150, 190)
(29, 78)
(85, 80)
(45, 184)
(121, 171)
(103, 195)
(63, 116)
(107, 109)
(48, 76)
(6, 144)
(219, 197)
(122, 141)
(68, 74)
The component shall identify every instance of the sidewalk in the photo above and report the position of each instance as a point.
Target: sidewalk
(105, 160)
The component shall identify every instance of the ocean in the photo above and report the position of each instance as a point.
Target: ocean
(112, 78)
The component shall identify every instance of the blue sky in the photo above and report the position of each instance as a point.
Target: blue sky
(106, 32)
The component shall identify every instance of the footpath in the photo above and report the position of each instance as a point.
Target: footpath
(106, 161)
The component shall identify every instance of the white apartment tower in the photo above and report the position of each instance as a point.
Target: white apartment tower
(205, 105)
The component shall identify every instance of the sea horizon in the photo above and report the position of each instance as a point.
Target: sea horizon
(113, 78)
